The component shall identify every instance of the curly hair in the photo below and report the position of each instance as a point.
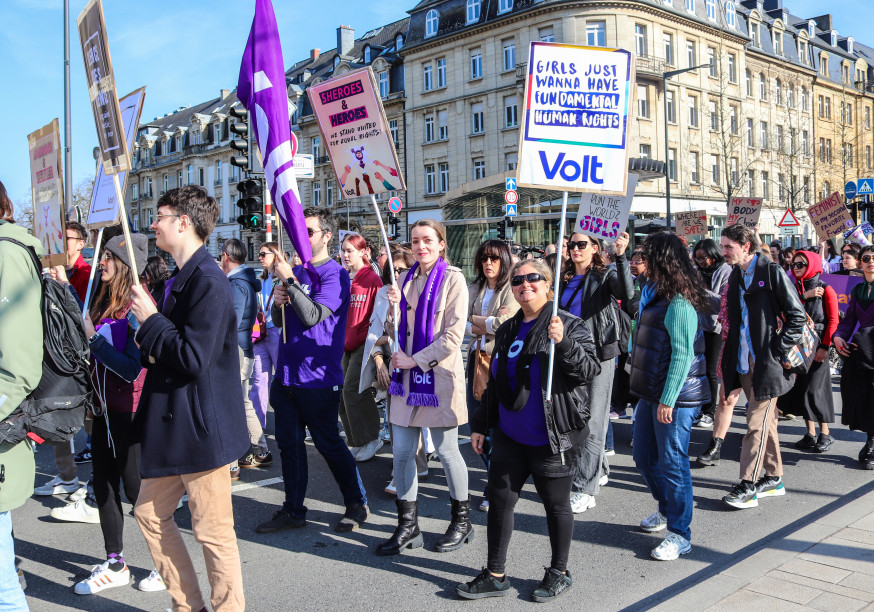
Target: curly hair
(669, 265)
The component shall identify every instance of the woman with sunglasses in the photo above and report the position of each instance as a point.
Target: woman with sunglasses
(588, 291)
(669, 375)
(811, 395)
(427, 386)
(857, 346)
(491, 303)
(533, 437)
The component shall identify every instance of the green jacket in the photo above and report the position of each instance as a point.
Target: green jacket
(21, 352)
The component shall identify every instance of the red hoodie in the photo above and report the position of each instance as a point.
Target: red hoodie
(363, 291)
(79, 275)
(829, 297)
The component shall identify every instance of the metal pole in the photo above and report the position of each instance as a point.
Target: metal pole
(556, 282)
(667, 157)
(68, 129)
(391, 265)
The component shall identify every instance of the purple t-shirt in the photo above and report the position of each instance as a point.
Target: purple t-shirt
(528, 426)
(311, 358)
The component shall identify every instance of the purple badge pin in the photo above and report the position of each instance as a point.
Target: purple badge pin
(761, 283)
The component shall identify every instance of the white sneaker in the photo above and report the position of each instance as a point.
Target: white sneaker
(369, 450)
(580, 502)
(484, 505)
(654, 522)
(610, 452)
(102, 578)
(151, 583)
(56, 486)
(391, 489)
(602, 482)
(77, 512)
(80, 493)
(671, 548)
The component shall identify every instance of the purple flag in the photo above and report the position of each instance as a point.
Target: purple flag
(261, 90)
(842, 286)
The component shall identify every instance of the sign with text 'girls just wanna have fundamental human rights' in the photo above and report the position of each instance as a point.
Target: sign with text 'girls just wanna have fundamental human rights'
(574, 135)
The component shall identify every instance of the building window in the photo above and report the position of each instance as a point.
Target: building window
(646, 151)
(442, 125)
(329, 192)
(669, 48)
(751, 182)
(473, 10)
(642, 101)
(693, 166)
(732, 117)
(511, 116)
(826, 189)
(779, 145)
(763, 87)
(432, 22)
(755, 35)
(316, 146)
(476, 64)
(714, 169)
(479, 169)
(693, 111)
(765, 185)
(430, 184)
(802, 52)
(217, 133)
(804, 99)
(732, 68)
(751, 138)
(778, 93)
(444, 177)
(690, 6)
(730, 15)
(714, 116)
(441, 72)
(711, 61)
(135, 191)
(672, 118)
(781, 191)
(867, 116)
(711, 10)
(822, 150)
(849, 114)
(672, 164)
(200, 177)
(868, 156)
(190, 174)
(691, 56)
(547, 34)
(640, 45)
(393, 128)
(477, 124)
(505, 5)
(828, 108)
(749, 82)
(596, 33)
(166, 184)
(735, 177)
(367, 55)
(218, 172)
(790, 96)
(383, 84)
(850, 42)
(763, 134)
(428, 77)
(811, 28)
(317, 193)
(511, 160)
(509, 55)
(834, 38)
(429, 128)
(823, 64)
(828, 150)
(179, 178)
(399, 42)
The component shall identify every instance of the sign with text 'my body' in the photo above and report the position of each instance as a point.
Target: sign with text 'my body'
(356, 134)
(830, 217)
(47, 191)
(605, 216)
(745, 211)
(574, 134)
(103, 210)
(101, 88)
(691, 223)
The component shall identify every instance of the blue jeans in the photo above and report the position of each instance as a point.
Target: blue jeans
(316, 409)
(661, 454)
(11, 596)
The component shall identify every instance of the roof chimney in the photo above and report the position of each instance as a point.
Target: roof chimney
(345, 39)
(314, 54)
(225, 93)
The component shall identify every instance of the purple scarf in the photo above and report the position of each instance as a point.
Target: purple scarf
(118, 331)
(421, 383)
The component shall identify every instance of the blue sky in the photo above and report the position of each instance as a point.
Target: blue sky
(184, 52)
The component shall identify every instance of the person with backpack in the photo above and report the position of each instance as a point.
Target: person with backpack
(21, 352)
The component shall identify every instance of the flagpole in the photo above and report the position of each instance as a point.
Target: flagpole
(390, 263)
(94, 260)
(556, 284)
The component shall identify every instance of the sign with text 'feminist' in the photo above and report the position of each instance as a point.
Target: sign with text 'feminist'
(356, 134)
(830, 217)
(605, 216)
(745, 211)
(691, 223)
(44, 147)
(574, 133)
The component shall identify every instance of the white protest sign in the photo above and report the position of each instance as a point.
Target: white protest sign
(103, 210)
(745, 211)
(691, 223)
(574, 134)
(47, 191)
(605, 216)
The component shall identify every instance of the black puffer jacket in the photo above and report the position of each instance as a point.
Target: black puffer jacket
(576, 364)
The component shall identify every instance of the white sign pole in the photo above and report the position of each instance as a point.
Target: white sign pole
(94, 260)
(391, 266)
(127, 240)
(556, 284)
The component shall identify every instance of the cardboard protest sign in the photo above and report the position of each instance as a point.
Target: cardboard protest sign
(605, 216)
(47, 191)
(745, 211)
(101, 88)
(356, 134)
(103, 210)
(691, 223)
(574, 134)
(830, 217)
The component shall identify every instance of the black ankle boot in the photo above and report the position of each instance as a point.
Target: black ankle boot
(460, 528)
(711, 457)
(407, 534)
(866, 456)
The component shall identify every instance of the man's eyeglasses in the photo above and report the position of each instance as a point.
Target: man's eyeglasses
(74, 238)
(579, 244)
(159, 216)
(313, 232)
(798, 265)
(531, 277)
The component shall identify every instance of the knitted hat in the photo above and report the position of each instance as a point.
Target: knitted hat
(117, 247)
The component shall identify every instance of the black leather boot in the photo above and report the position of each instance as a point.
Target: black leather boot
(407, 534)
(867, 459)
(711, 457)
(460, 529)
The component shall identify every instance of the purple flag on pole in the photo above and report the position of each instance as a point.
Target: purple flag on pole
(262, 91)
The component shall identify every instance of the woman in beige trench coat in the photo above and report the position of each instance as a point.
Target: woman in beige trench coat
(427, 388)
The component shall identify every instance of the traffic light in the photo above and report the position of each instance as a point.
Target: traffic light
(502, 229)
(251, 203)
(241, 128)
(393, 221)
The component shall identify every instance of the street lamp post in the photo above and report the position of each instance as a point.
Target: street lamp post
(665, 76)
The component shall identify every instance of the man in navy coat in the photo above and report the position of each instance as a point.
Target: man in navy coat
(190, 422)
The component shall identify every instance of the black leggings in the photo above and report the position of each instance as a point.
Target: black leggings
(109, 472)
(511, 464)
(712, 349)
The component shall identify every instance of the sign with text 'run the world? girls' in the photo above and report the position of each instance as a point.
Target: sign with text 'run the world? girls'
(574, 135)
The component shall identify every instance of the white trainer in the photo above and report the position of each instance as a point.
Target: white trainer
(580, 502)
(77, 512)
(654, 522)
(151, 583)
(370, 449)
(56, 486)
(390, 488)
(671, 548)
(602, 482)
(102, 578)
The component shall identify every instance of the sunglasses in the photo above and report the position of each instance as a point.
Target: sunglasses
(264, 254)
(531, 277)
(313, 232)
(867, 258)
(486, 258)
(579, 244)
(798, 265)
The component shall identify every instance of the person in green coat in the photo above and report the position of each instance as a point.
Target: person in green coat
(21, 340)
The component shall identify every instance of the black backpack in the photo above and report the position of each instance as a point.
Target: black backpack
(55, 410)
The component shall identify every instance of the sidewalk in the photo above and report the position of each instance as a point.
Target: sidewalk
(826, 565)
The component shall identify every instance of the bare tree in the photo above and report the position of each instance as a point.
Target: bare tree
(790, 137)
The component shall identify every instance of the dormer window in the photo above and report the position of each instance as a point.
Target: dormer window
(399, 42)
(367, 55)
(432, 22)
(850, 42)
(473, 10)
(504, 6)
(336, 61)
(834, 38)
(811, 28)
(730, 15)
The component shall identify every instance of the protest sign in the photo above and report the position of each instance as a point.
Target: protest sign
(356, 134)
(745, 211)
(47, 191)
(101, 88)
(103, 210)
(574, 134)
(859, 235)
(691, 223)
(830, 217)
(842, 286)
(605, 216)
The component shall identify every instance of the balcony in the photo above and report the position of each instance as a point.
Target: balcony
(650, 66)
(324, 159)
(217, 182)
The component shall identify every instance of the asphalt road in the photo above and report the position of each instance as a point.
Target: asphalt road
(315, 568)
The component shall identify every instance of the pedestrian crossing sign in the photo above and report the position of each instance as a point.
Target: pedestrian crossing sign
(866, 186)
(512, 211)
